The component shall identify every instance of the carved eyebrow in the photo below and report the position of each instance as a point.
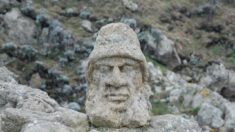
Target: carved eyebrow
(97, 65)
(130, 63)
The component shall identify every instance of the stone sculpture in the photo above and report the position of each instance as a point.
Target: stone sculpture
(117, 95)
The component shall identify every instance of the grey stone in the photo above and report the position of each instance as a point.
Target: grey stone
(84, 15)
(87, 25)
(160, 48)
(67, 90)
(130, 22)
(7, 76)
(172, 123)
(129, 4)
(74, 106)
(210, 115)
(26, 109)
(21, 29)
(229, 116)
(4, 59)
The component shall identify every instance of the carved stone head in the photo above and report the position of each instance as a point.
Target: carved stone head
(117, 95)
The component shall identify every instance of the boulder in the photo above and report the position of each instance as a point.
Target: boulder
(229, 117)
(210, 115)
(216, 77)
(160, 48)
(20, 29)
(87, 25)
(24, 109)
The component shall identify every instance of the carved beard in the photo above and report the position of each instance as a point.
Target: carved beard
(132, 113)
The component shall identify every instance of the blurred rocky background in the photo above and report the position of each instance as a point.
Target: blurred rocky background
(189, 46)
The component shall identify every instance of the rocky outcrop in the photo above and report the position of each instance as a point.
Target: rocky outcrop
(215, 111)
(24, 109)
(220, 79)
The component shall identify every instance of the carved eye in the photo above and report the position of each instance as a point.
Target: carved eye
(126, 68)
(104, 68)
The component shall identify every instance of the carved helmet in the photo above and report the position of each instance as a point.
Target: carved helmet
(116, 40)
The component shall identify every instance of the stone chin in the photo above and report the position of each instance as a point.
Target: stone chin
(133, 112)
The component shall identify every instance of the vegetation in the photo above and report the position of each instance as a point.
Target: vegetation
(156, 64)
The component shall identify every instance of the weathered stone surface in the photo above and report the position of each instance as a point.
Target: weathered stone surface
(216, 77)
(174, 123)
(116, 74)
(4, 59)
(163, 123)
(7, 76)
(220, 79)
(20, 29)
(24, 109)
(210, 115)
(229, 117)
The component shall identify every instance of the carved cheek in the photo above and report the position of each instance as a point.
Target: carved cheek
(99, 77)
(137, 79)
(96, 77)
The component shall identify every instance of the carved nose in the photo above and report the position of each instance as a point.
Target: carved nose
(116, 80)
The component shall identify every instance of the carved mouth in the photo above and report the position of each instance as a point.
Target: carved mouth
(117, 97)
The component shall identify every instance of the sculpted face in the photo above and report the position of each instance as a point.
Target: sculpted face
(116, 94)
(117, 79)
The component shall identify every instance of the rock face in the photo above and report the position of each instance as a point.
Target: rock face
(117, 95)
(24, 109)
(21, 29)
(7, 76)
(168, 123)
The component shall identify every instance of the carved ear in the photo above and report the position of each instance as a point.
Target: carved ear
(144, 71)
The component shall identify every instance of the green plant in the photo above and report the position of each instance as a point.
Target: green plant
(229, 52)
(216, 50)
(156, 64)
(160, 109)
(195, 110)
(230, 59)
